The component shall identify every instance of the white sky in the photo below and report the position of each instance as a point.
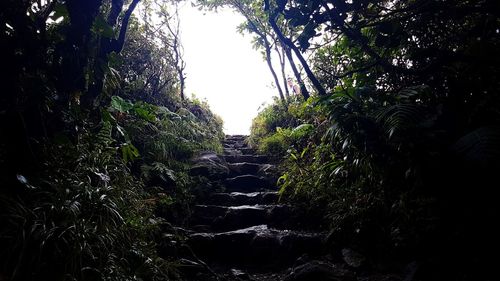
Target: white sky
(223, 68)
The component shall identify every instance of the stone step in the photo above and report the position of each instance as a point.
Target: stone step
(232, 151)
(244, 168)
(246, 183)
(258, 246)
(234, 145)
(225, 218)
(247, 150)
(250, 158)
(238, 198)
(244, 149)
(236, 138)
(233, 141)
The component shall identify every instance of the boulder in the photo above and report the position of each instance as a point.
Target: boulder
(210, 165)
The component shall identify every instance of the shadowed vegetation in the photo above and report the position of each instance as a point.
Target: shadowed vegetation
(385, 134)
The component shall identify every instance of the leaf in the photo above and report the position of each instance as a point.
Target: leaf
(129, 152)
(301, 131)
(104, 136)
(304, 152)
(107, 117)
(121, 105)
(102, 28)
(399, 117)
(144, 113)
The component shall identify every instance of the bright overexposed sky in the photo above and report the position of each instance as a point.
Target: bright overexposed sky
(223, 68)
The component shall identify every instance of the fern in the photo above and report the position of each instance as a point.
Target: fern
(104, 138)
(158, 169)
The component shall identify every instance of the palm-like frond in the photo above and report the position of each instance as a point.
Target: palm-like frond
(399, 117)
(482, 144)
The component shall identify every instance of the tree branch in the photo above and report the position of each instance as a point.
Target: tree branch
(117, 45)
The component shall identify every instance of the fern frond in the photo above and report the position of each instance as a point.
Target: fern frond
(104, 136)
(157, 169)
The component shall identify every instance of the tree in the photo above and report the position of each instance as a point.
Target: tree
(108, 44)
(257, 27)
(273, 14)
(257, 23)
(172, 23)
(281, 55)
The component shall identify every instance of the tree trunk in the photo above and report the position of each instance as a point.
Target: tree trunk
(289, 43)
(281, 56)
(106, 47)
(76, 48)
(303, 89)
(182, 82)
(267, 46)
(271, 68)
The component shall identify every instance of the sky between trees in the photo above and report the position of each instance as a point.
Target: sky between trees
(223, 68)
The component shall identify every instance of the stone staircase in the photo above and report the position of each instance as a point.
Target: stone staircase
(245, 227)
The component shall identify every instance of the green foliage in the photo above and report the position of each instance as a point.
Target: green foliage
(82, 209)
(98, 142)
(269, 119)
(275, 144)
(391, 154)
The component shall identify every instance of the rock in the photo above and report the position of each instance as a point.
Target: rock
(319, 271)
(207, 214)
(226, 218)
(352, 258)
(210, 165)
(245, 183)
(237, 169)
(269, 172)
(256, 245)
(259, 159)
(242, 216)
(239, 198)
(232, 151)
(283, 217)
(247, 150)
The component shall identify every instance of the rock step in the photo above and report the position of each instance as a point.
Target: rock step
(233, 142)
(247, 150)
(236, 136)
(234, 146)
(239, 198)
(239, 151)
(245, 168)
(246, 183)
(250, 158)
(257, 246)
(225, 218)
(232, 151)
